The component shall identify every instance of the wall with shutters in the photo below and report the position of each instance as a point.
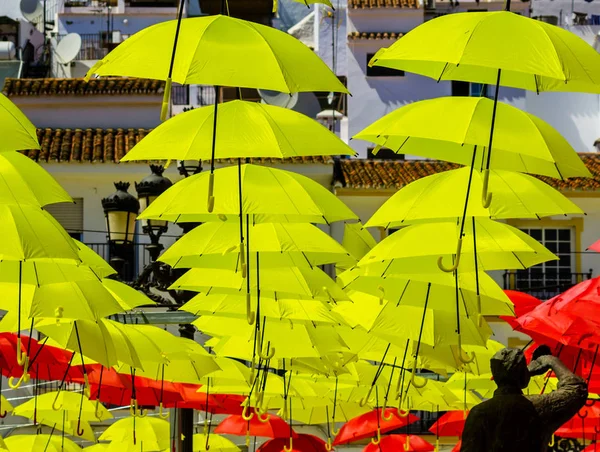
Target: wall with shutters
(69, 215)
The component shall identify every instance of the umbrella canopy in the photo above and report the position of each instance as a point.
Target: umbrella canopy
(531, 54)
(393, 443)
(244, 129)
(585, 424)
(368, 425)
(217, 245)
(35, 443)
(269, 194)
(93, 260)
(451, 423)
(224, 51)
(302, 443)
(17, 131)
(22, 181)
(523, 304)
(51, 407)
(275, 427)
(417, 248)
(215, 443)
(442, 195)
(145, 434)
(522, 142)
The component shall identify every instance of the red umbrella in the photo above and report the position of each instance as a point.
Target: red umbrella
(372, 424)
(581, 300)
(274, 427)
(524, 303)
(457, 447)
(451, 423)
(195, 398)
(395, 443)
(595, 247)
(302, 443)
(585, 424)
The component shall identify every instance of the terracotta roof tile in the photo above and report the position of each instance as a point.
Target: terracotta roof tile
(365, 4)
(356, 35)
(395, 174)
(79, 87)
(109, 146)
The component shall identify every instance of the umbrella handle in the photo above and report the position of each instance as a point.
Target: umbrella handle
(211, 189)
(24, 376)
(243, 261)
(265, 419)
(551, 443)
(161, 413)
(406, 446)
(97, 410)
(383, 408)
(164, 111)
(86, 385)
(588, 404)
(245, 415)
(461, 358)
(289, 449)
(250, 316)
(437, 445)
(479, 315)
(382, 295)
(80, 431)
(486, 197)
(333, 430)
(55, 401)
(452, 268)
(207, 445)
(328, 447)
(413, 379)
(582, 417)
(366, 398)
(3, 415)
(269, 354)
(247, 438)
(376, 441)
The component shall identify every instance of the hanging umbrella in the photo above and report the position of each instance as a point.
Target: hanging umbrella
(279, 282)
(214, 443)
(457, 447)
(302, 443)
(216, 245)
(585, 424)
(22, 181)
(417, 247)
(274, 427)
(523, 303)
(18, 132)
(394, 443)
(137, 434)
(522, 142)
(442, 196)
(358, 241)
(451, 423)
(372, 424)
(35, 443)
(270, 195)
(90, 258)
(244, 130)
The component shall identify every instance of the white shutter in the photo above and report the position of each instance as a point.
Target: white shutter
(69, 215)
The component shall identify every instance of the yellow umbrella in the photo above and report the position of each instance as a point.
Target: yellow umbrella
(441, 195)
(244, 129)
(283, 282)
(17, 131)
(22, 181)
(522, 142)
(136, 434)
(214, 443)
(416, 248)
(36, 443)
(269, 195)
(358, 241)
(90, 258)
(127, 297)
(491, 47)
(216, 245)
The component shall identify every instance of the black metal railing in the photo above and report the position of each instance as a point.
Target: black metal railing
(180, 94)
(543, 285)
(134, 266)
(94, 46)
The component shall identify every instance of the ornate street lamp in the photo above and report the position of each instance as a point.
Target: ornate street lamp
(150, 188)
(121, 211)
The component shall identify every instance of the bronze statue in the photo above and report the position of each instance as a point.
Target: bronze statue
(513, 422)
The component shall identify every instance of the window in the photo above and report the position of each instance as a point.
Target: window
(549, 278)
(180, 94)
(378, 71)
(471, 89)
(70, 216)
(384, 154)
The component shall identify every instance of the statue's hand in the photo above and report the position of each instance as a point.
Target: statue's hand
(540, 366)
(542, 350)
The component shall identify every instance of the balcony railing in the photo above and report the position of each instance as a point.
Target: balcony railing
(543, 285)
(94, 46)
(134, 266)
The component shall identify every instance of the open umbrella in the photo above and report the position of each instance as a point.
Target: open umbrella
(137, 434)
(18, 132)
(451, 423)
(302, 443)
(214, 443)
(394, 443)
(372, 425)
(274, 427)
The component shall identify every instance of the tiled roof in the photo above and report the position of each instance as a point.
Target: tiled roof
(395, 174)
(109, 146)
(356, 35)
(365, 4)
(79, 87)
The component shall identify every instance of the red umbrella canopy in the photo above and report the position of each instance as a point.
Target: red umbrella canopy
(585, 424)
(594, 447)
(366, 425)
(457, 447)
(581, 300)
(595, 247)
(451, 423)
(524, 303)
(397, 443)
(195, 398)
(302, 443)
(275, 427)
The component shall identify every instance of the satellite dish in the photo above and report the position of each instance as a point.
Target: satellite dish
(68, 48)
(278, 99)
(31, 10)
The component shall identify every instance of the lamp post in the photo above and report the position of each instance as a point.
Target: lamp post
(150, 188)
(189, 167)
(121, 211)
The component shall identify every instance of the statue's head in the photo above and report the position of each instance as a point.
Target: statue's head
(509, 368)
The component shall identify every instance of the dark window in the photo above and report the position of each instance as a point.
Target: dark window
(471, 89)
(180, 94)
(460, 88)
(378, 71)
(384, 154)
